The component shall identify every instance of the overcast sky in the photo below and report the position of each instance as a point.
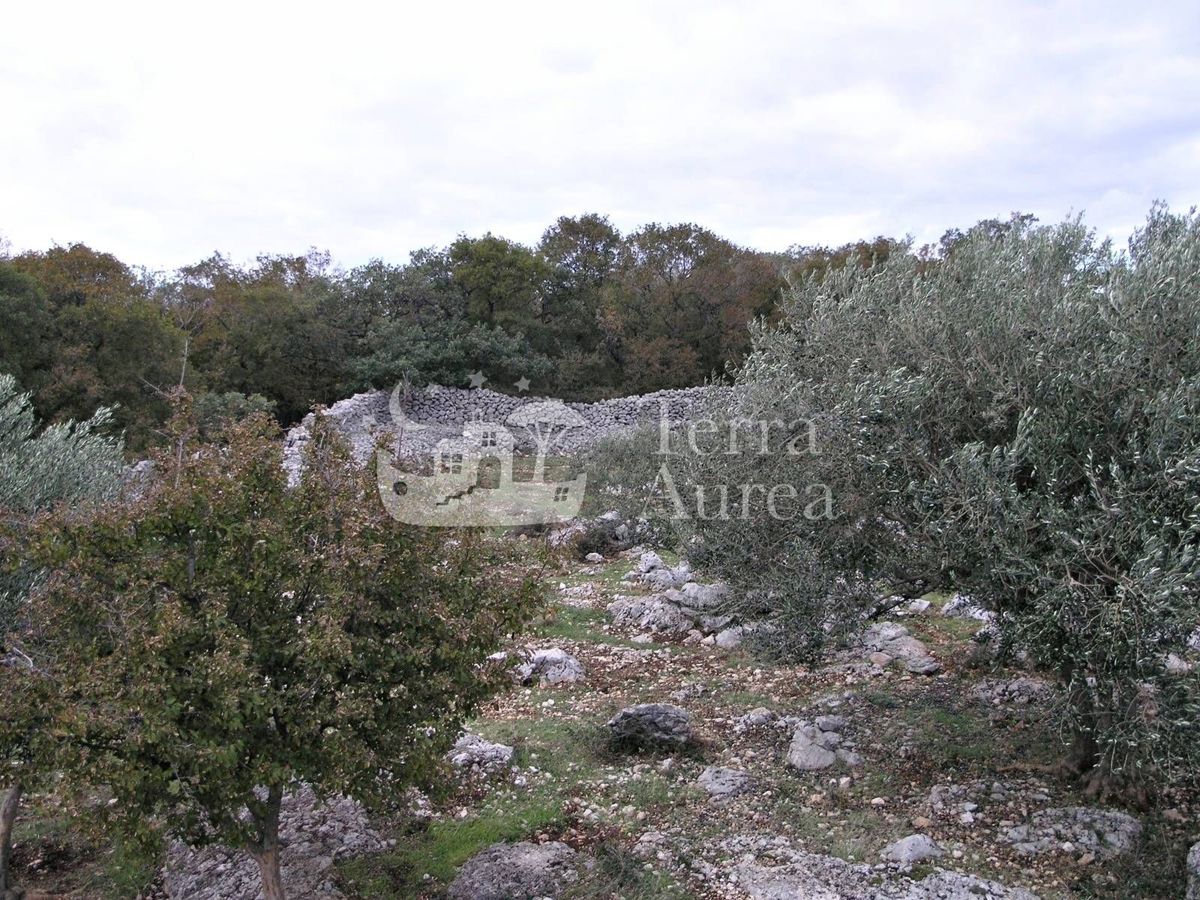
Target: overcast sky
(165, 132)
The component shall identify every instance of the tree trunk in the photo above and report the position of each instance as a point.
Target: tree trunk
(1091, 764)
(8, 816)
(266, 849)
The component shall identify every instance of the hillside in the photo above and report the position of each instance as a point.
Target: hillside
(960, 755)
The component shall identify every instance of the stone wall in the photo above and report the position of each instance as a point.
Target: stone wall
(416, 421)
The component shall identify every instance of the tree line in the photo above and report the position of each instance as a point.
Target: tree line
(586, 313)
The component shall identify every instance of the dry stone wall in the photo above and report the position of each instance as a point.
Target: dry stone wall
(415, 421)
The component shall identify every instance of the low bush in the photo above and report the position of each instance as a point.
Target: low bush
(221, 637)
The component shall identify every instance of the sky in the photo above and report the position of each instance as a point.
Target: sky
(164, 132)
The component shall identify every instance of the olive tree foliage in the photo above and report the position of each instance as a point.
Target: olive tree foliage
(64, 462)
(69, 462)
(1081, 520)
(1016, 419)
(222, 637)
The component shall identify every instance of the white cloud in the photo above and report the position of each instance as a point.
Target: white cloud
(164, 134)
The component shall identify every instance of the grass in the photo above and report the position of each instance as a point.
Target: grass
(650, 792)
(573, 623)
(584, 625)
(570, 623)
(618, 873)
(74, 862)
(554, 745)
(424, 862)
(883, 699)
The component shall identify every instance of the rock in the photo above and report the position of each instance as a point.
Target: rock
(893, 640)
(796, 874)
(880, 633)
(649, 844)
(649, 614)
(653, 725)
(553, 666)
(808, 751)
(313, 833)
(943, 885)
(848, 757)
(961, 607)
(566, 534)
(507, 871)
(702, 597)
(667, 578)
(1177, 665)
(473, 752)
(1105, 832)
(921, 664)
(756, 718)
(831, 723)
(1193, 870)
(918, 606)
(912, 849)
(1019, 691)
(594, 558)
(648, 562)
(730, 638)
(724, 784)
(418, 421)
(713, 624)
(913, 655)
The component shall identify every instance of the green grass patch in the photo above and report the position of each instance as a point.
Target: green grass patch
(438, 851)
(618, 873)
(883, 699)
(561, 747)
(573, 623)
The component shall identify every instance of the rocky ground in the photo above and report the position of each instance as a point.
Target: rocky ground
(644, 751)
(665, 760)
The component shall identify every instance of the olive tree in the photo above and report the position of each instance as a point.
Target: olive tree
(221, 638)
(1015, 418)
(1080, 521)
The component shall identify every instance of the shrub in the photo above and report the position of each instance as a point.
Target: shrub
(1017, 419)
(215, 412)
(221, 637)
(622, 468)
(72, 463)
